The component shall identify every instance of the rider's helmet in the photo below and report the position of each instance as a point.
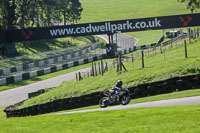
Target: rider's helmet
(119, 83)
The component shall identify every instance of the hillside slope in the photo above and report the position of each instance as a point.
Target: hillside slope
(107, 10)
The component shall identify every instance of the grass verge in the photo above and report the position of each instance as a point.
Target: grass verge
(184, 119)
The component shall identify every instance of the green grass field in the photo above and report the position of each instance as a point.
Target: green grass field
(184, 119)
(104, 10)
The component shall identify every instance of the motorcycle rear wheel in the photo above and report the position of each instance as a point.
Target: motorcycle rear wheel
(103, 103)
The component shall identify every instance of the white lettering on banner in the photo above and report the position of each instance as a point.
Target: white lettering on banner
(102, 28)
(157, 22)
(107, 27)
(113, 28)
(89, 28)
(129, 25)
(95, 28)
(142, 24)
(83, 30)
(151, 24)
(53, 32)
(62, 32)
(78, 30)
(120, 27)
(137, 25)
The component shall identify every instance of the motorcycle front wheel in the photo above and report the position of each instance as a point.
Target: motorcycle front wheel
(103, 103)
(125, 100)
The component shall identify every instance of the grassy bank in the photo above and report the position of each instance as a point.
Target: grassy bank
(184, 119)
(162, 66)
(96, 11)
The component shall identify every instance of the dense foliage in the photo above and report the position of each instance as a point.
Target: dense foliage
(38, 13)
(192, 5)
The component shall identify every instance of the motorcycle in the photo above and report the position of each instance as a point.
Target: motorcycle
(121, 96)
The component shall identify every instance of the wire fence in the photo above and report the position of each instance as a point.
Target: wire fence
(174, 43)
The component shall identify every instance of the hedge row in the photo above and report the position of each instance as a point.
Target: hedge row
(143, 90)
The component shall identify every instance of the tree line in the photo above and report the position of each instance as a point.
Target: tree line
(16, 14)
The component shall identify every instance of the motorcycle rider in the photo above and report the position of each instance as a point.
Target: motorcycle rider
(115, 89)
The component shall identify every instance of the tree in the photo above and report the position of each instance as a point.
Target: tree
(74, 10)
(7, 17)
(38, 13)
(64, 10)
(8, 20)
(191, 5)
(22, 14)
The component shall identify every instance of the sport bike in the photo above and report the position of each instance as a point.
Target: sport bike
(121, 96)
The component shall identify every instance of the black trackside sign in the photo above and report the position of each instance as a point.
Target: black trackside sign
(109, 27)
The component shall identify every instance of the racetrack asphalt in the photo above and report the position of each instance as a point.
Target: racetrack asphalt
(19, 94)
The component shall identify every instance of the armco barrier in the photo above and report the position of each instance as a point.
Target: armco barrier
(43, 71)
(51, 60)
(143, 90)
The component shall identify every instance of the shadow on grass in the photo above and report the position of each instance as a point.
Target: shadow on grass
(48, 45)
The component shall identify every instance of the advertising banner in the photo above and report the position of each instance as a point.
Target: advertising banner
(108, 27)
